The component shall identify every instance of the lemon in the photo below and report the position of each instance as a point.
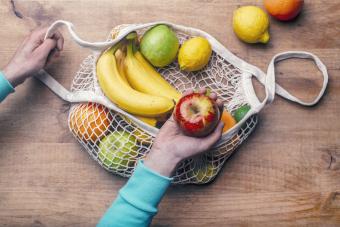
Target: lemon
(204, 172)
(251, 24)
(194, 54)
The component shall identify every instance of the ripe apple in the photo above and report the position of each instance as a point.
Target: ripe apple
(197, 114)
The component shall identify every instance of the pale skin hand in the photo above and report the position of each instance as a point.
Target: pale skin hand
(33, 54)
(171, 146)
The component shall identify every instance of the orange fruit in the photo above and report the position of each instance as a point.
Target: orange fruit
(90, 121)
(283, 9)
(228, 121)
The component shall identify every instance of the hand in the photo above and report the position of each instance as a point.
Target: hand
(172, 146)
(33, 55)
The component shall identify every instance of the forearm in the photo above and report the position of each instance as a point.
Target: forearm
(5, 87)
(137, 201)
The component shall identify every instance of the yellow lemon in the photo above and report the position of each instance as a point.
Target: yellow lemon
(194, 54)
(203, 172)
(251, 24)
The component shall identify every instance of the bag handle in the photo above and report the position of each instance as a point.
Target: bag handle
(304, 55)
(87, 96)
(268, 80)
(95, 46)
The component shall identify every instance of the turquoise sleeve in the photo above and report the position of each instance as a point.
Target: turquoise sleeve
(5, 87)
(137, 201)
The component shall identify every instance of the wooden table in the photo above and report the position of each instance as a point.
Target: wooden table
(286, 174)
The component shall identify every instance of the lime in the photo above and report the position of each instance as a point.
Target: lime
(241, 112)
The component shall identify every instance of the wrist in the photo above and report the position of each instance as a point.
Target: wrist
(161, 162)
(13, 75)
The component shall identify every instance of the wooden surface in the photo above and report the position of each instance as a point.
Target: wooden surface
(286, 174)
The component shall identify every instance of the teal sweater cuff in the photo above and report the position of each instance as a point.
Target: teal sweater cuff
(145, 188)
(5, 87)
(137, 201)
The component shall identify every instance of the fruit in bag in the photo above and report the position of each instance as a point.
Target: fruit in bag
(118, 150)
(159, 45)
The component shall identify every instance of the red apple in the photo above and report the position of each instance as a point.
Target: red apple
(197, 114)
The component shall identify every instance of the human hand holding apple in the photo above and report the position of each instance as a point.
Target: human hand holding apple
(172, 145)
(197, 114)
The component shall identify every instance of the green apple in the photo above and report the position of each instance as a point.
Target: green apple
(159, 45)
(118, 150)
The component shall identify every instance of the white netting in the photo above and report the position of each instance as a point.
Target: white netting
(117, 144)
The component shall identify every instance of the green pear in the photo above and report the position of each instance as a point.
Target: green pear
(118, 150)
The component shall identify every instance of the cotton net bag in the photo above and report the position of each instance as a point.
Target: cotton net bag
(227, 75)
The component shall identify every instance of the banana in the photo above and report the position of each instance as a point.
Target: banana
(148, 120)
(144, 78)
(123, 95)
(120, 62)
(161, 81)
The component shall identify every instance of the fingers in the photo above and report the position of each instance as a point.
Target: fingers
(55, 53)
(188, 92)
(219, 102)
(202, 90)
(60, 40)
(44, 50)
(37, 38)
(56, 36)
(211, 139)
(213, 96)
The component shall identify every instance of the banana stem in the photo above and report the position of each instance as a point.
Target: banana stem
(132, 39)
(114, 48)
(130, 49)
(131, 36)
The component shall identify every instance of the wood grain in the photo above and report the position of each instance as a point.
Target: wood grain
(286, 174)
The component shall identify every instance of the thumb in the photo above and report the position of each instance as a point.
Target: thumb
(45, 48)
(211, 139)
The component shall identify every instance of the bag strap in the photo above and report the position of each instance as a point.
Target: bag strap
(95, 46)
(268, 80)
(87, 96)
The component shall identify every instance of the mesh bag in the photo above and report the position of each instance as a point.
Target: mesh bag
(117, 140)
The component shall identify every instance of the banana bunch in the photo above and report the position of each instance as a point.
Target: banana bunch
(134, 85)
(144, 78)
